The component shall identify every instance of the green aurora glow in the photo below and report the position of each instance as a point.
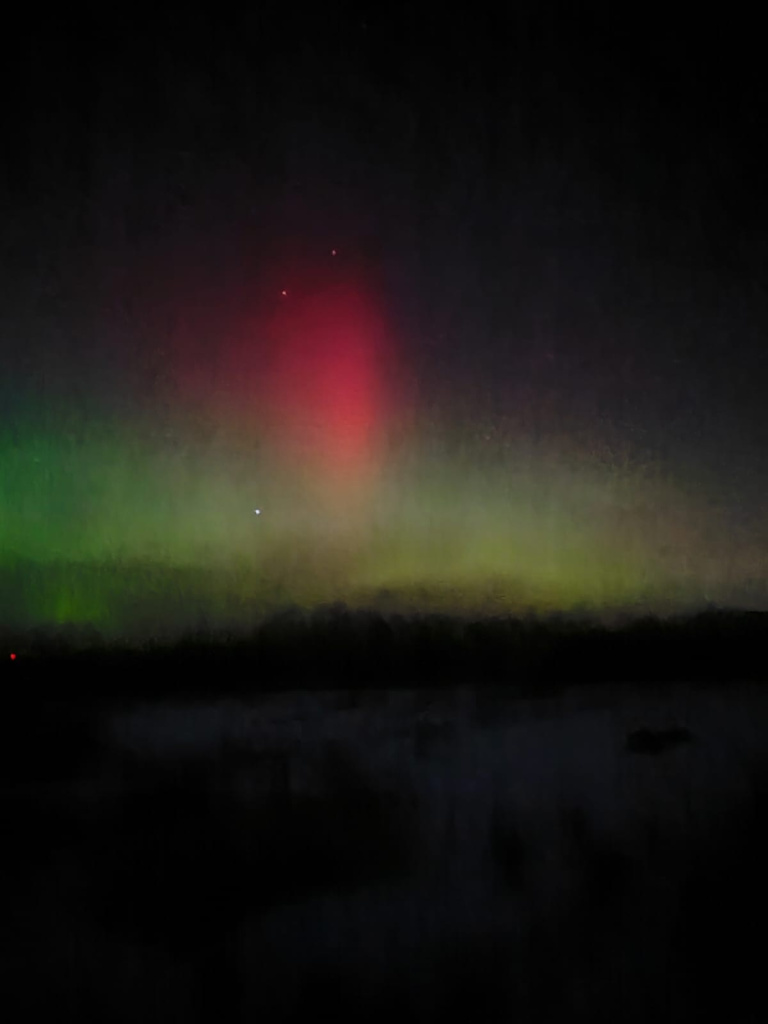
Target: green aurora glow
(137, 532)
(474, 313)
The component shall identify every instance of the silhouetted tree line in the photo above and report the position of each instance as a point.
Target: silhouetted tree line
(339, 646)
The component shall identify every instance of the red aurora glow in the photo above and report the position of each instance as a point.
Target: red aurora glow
(324, 379)
(304, 370)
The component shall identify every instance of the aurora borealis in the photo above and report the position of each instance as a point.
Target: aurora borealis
(471, 372)
(123, 529)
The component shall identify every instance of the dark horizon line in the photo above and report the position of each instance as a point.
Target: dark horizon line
(350, 650)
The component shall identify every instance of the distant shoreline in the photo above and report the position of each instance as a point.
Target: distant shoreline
(339, 648)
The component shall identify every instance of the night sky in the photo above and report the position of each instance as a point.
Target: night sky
(470, 308)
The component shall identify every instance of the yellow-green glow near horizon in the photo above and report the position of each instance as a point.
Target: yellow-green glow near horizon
(464, 347)
(134, 531)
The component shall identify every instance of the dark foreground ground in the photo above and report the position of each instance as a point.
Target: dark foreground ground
(508, 851)
(336, 646)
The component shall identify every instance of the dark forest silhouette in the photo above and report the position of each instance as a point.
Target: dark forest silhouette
(339, 646)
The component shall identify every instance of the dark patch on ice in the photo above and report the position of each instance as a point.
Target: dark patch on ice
(719, 945)
(607, 874)
(507, 848)
(50, 743)
(657, 741)
(172, 865)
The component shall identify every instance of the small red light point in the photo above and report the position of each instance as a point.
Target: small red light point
(13, 657)
(334, 252)
(283, 292)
